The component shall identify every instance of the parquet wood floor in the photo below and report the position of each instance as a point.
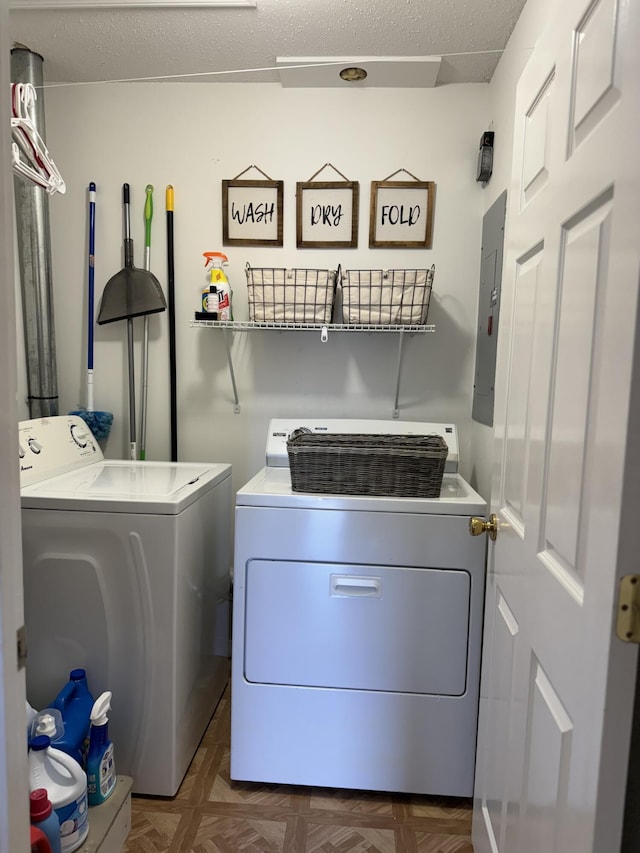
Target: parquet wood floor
(212, 814)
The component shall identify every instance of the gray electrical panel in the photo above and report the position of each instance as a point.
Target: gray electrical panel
(489, 310)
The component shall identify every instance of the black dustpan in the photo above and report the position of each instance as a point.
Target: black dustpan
(131, 292)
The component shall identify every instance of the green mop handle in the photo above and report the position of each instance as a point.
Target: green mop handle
(148, 216)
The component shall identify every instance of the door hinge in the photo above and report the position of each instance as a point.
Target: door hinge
(628, 617)
(21, 646)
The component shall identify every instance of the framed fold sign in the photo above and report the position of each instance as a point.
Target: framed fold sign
(252, 213)
(401, 214)
(327, 214)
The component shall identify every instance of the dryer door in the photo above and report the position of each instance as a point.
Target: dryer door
(360, 627)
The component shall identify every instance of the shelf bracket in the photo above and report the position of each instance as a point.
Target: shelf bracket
(227, 346)
(396, 408)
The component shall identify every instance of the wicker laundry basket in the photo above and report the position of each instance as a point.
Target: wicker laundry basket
(278, 295)
(386, 297)
(359, 464)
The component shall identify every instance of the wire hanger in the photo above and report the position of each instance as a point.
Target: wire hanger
(29, 155)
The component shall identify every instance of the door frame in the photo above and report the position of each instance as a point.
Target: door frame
(14, 789)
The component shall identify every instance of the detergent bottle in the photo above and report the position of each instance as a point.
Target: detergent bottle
(66, 785)
(101, 768)
(74, 703)
(44, 818)
(215, 263)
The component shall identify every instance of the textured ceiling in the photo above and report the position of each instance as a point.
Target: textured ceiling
(98, 44)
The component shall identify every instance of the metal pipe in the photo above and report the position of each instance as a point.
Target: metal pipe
(34, 256)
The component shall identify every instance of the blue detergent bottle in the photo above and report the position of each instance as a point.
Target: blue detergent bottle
(75, 703)
(101, 768)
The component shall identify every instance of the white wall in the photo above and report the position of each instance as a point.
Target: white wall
(193, 136)
(501, 116)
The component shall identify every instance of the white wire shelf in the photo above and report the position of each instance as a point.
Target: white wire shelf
(324, 328)
(249, 325)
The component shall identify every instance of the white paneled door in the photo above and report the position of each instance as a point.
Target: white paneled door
(558, 685)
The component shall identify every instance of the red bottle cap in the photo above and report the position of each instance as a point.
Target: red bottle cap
(39, 804)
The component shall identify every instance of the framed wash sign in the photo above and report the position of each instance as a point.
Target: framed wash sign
(401, 214)
(327, 213)
(252, 212)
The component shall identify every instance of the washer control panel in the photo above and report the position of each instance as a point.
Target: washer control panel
(55, 445)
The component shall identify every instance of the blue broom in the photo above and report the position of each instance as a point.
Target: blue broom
(98, 422)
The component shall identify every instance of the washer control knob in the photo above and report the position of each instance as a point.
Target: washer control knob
(21, 451)
(34, 445)
(79, 435)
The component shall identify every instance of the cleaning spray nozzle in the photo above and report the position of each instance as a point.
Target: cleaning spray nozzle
(100, 709)
(212, 257)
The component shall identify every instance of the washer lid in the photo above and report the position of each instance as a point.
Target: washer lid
(126, 486)
(271, 487)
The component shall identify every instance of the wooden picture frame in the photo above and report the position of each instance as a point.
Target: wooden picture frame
(401, 214)
(327, 214)
(252, 213)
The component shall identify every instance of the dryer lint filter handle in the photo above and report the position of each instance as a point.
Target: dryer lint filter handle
(281, 428)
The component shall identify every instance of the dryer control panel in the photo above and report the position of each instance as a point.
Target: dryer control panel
(281, 428)
(54, 445)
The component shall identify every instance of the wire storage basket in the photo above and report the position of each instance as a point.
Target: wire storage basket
(363, 464)
(398, 297)
(278, 295)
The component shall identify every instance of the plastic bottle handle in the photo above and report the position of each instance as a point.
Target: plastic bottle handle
(66, 694)
(67, 761)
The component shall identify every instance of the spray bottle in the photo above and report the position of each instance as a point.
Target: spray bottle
(101, 769)
(214, 263)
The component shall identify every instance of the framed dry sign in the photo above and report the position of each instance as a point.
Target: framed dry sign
(401, 214)
(252, 212)
(327, 213)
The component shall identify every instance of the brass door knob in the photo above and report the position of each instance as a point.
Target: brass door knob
(477, 526)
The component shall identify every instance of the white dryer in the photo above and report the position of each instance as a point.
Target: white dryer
(126, 574)
(357, 625)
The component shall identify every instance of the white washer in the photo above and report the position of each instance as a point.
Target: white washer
(357, 625)
(126, 574)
